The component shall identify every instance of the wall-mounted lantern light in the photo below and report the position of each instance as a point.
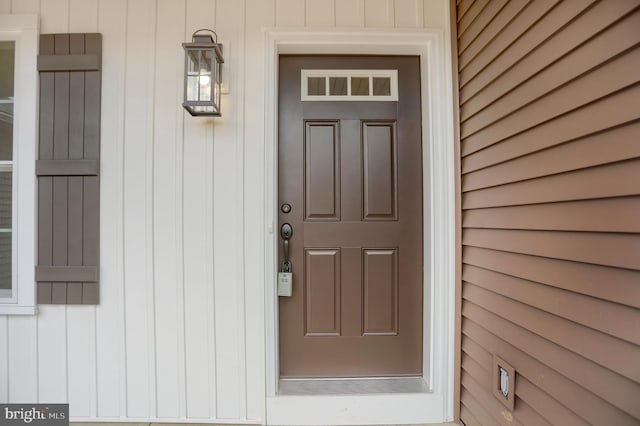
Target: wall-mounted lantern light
(202, 74)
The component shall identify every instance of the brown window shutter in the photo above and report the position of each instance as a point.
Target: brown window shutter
(68, 168)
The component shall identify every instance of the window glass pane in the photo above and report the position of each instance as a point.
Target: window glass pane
(359, 86)
(316, 86)
(5, 200)
(5, 263)
(5, 233)
(7, 60)
(338, 86)
(6, 133)
(381, 86)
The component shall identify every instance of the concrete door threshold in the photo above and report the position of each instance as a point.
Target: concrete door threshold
(367, 386)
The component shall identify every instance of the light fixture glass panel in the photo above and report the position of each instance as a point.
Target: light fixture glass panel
(359, 86)
(204, 75)
(316, 86)
(204, 87)
(205, 61)
(193, 72)
(192, 87)
(207, 109)
(381, 86)
(193, 64)
(199, 75)
(338, 86)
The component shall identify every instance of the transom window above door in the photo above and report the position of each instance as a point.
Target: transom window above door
(349, 85)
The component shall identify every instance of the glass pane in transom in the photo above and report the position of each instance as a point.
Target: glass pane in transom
(359, 86)
(338, 86)
(381, 86)
(316, 86)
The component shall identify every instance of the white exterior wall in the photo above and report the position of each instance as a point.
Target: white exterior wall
(179, 332)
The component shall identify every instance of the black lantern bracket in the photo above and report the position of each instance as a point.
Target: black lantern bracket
(203, 74)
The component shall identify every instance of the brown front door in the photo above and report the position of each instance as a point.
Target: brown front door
(351, 172)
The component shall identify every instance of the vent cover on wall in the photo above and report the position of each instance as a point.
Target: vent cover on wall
(504, 381)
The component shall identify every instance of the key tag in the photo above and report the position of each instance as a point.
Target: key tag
(285, 287)
(285, 280)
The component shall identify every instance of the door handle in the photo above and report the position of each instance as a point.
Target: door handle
(286, 231)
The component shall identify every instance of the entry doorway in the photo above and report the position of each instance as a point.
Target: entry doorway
(350, 190)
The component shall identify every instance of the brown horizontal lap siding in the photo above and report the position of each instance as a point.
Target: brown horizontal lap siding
(68, 168)
(549, 160)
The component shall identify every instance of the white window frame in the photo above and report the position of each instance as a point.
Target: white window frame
(24, 30)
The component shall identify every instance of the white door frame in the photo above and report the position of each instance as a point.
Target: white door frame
(439, 230)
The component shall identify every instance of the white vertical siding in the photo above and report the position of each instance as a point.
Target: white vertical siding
(111, 372)
(436, 14)
(350, 13)
(22, 363)
(51, 336)
(379, 13)
(25, 6)
(409, 13)
(290, 13)
(54, 16)
(138, 252)
(227, 219)
(179, 332)
(167, 206)
(198, 178)
(320, 13)
(81, 360)
(83, 16)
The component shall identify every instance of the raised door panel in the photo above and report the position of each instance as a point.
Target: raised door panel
(379, 174)
(380, 294)
(322, 292)
(322, 171)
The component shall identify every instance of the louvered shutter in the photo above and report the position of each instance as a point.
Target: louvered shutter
(68, 168)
